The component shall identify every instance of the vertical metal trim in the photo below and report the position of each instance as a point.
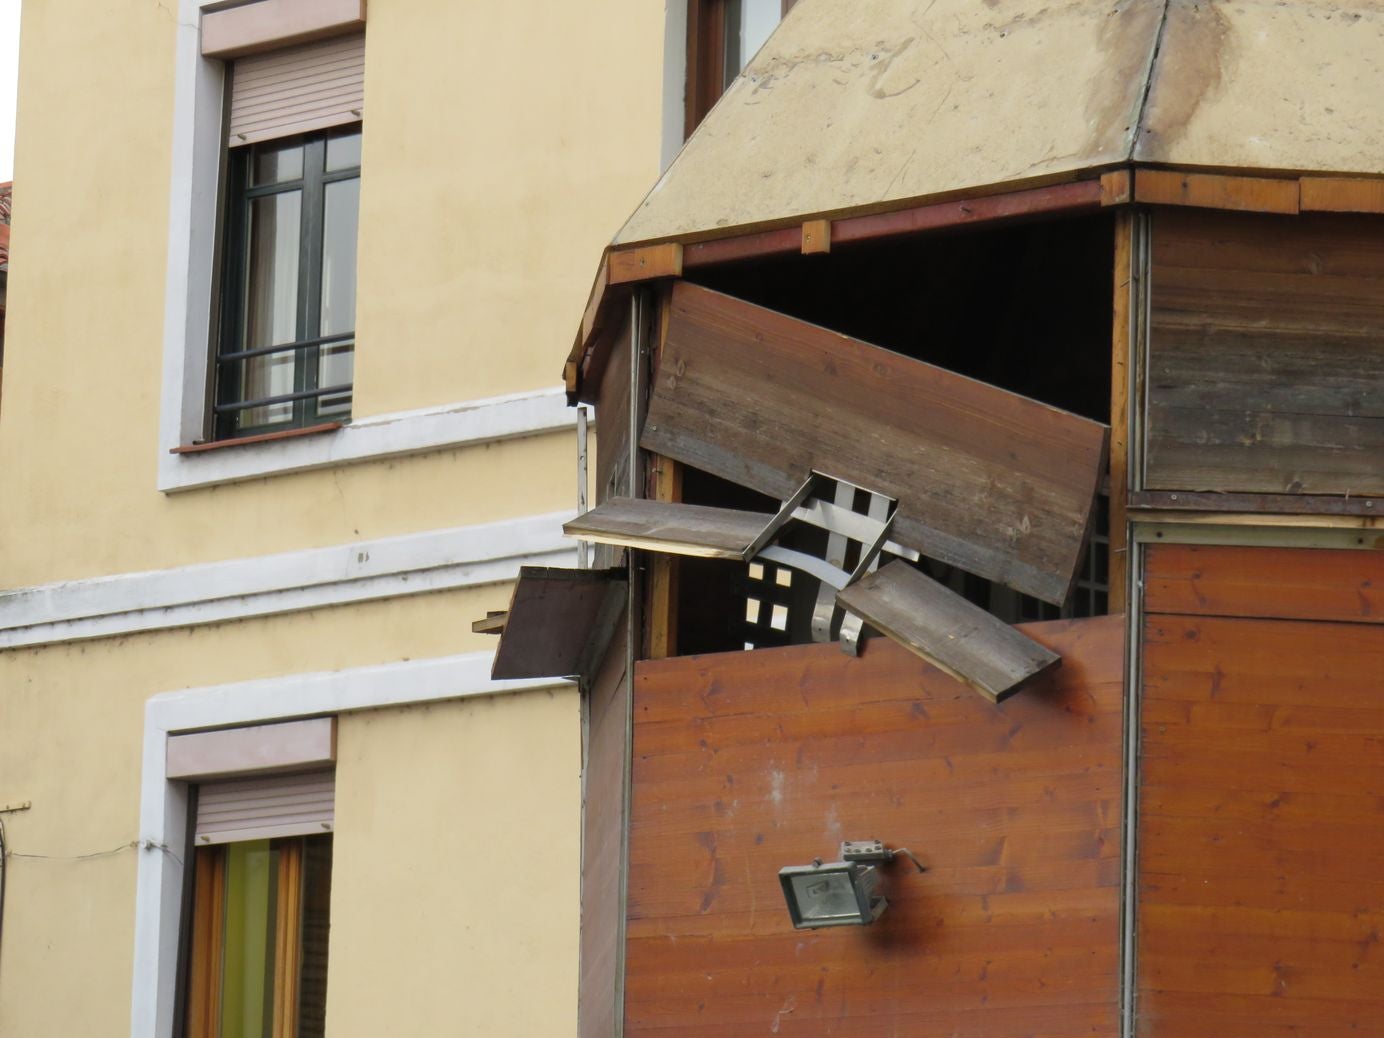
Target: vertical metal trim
(1129, 874)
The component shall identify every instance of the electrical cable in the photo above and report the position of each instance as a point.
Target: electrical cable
(3, 870)
(910, 856)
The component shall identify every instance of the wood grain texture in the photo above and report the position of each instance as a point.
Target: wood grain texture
(1121, 330)
(1266, 362)
(1215, 191)
(993, 482)
(1261, 825)
(700, 530)
(746, 762)
(559, 622)
(1342, 195)
(1302, 583)
(946, 630)
(645, 262)
(603, 823)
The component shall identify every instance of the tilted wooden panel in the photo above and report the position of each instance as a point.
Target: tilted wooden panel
(946, 630)
(1266, 358)
(560, 622)
(985, 479)
(746, 762)
(669, 526)
(1261, 818)
(1298, 583)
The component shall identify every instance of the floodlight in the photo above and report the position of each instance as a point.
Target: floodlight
(839, 893)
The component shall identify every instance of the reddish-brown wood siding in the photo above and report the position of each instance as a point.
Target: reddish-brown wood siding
(746, 762)
(1261, 819)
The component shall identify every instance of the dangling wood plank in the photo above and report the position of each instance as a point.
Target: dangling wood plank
(559, 622)
(987, 480)
(947, 631)
(666, 526)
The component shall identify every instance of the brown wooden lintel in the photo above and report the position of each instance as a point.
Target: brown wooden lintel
(1266, 504)
(1216, 191)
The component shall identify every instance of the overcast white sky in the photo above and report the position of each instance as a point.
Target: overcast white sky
(9, 74)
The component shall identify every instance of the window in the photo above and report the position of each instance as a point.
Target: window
(254, 944)
(258, 966)
(287, 328)
(722, 36)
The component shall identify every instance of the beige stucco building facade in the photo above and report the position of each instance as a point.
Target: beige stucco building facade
(148, 592)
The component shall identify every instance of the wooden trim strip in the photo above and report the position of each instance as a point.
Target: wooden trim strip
(288, 939)
(1117, 187)
(816, 237)
(784, 242)
(645, 263)
(245, 441)
(1121, 310)
(1214, 191)
(1058, 198)
(1341, 195)
(1262, 504)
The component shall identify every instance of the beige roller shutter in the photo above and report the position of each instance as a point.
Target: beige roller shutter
(297, 89)
(257, 809)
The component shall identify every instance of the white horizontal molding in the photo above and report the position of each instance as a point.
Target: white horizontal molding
(472, 422)
(163, 815)
(464, 556)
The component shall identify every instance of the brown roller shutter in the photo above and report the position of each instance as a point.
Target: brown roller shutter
(297, 90)
(257, 809)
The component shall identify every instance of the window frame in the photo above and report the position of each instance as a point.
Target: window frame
(226, 403)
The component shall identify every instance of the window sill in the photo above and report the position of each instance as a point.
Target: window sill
(367, 439)
(245, 441)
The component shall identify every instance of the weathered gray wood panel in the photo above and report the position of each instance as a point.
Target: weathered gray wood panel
(560, 622)
(1266, 355)
(947, 631)
(711, 533)
(985, 479)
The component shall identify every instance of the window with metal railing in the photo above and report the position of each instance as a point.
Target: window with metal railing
(287, 318)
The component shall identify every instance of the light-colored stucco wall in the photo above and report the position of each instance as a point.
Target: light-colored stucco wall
(415, 786)
(504, 143)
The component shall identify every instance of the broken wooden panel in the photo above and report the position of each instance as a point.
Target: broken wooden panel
(987, 480)
(559, 622)
(946, 630)
(1266, 354)
(745, 762)
(709, 533)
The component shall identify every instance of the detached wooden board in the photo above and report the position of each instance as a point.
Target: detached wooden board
(560, 622)
(987, 480)
(1266, 356)
(947, 631)
(709, 533)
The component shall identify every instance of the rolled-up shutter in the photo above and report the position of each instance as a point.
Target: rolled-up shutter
(297, 90)
(264, 808)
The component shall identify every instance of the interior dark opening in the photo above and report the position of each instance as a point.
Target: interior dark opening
(1026, 307)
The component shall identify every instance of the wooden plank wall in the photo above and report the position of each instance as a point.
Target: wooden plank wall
(1261, 819)
(746, 762)
(1266, 363)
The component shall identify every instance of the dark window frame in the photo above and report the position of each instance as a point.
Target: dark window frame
(229, 354)
(708, 51)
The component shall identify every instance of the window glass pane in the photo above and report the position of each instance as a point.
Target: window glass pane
(339, 227)
(276, 163)
(271, 299)
(748, 24)
(247, 990)
(343, 152)
(271, 304)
